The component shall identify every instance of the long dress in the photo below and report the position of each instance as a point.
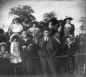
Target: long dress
(15, 51)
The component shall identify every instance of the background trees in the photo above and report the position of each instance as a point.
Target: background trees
(83, 26)
(24, 13)
(48, 16)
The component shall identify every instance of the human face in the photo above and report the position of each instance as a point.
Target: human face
(46, 33)
(24, 34)
(50, 25)
(69, 40)
(68, 21)
(15, 21)
(34, 25)
(15, 40)
(3, 48)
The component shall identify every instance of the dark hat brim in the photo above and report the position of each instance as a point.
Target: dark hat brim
(69, 18)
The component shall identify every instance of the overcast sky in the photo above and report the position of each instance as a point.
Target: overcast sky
(75, 9)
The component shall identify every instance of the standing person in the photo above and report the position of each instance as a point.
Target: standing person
(67, 28)
(25, 53)
(70, 50)
(59, 60)
(53, 26)
(47, 53)
(15, 50)
(35, 59)
(34, 30)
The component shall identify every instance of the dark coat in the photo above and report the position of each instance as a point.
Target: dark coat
(50, 48)
(25, 52)
(71, 50)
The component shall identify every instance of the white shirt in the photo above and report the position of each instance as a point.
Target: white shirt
(67, 25)
(14, 49)
(17, 28)
(45, 38)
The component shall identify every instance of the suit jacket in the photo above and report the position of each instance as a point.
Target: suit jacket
(25, 52)
(50, 48)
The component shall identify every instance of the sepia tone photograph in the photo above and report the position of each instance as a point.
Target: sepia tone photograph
(42, 38)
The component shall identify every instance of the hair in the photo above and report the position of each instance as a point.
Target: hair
(3, 45)
(18, 19)
(69, 37)
(53, 20)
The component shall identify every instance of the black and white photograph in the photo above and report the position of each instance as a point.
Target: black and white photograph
(42, 38)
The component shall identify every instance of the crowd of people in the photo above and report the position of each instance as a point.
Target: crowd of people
(40, 48)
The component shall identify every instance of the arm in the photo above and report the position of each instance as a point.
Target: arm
(12, 48)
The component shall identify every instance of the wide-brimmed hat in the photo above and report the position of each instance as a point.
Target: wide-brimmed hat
(68, 18)
(13, 36)
(3, 44)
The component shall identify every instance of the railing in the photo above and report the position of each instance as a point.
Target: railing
(80, 62)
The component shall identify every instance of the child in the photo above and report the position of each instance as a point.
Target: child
(70, 49)
(15, 52)
(3, 51)
(4, 62)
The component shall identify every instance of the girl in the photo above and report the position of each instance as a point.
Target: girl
(15, 52)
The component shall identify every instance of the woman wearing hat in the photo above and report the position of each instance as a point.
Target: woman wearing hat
(67, 28)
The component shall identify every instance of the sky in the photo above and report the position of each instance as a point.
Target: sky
(75, 9)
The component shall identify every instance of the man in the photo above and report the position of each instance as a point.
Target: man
(47, 53)
(53, 26)
(25, 44)
(59, 60)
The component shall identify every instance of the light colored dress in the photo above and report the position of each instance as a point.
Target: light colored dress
(16, 28)
(15, 52)
(34, 30)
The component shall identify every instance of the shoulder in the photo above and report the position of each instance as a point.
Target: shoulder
(72, 25)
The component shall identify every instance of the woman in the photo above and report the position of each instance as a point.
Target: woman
(16, 26)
